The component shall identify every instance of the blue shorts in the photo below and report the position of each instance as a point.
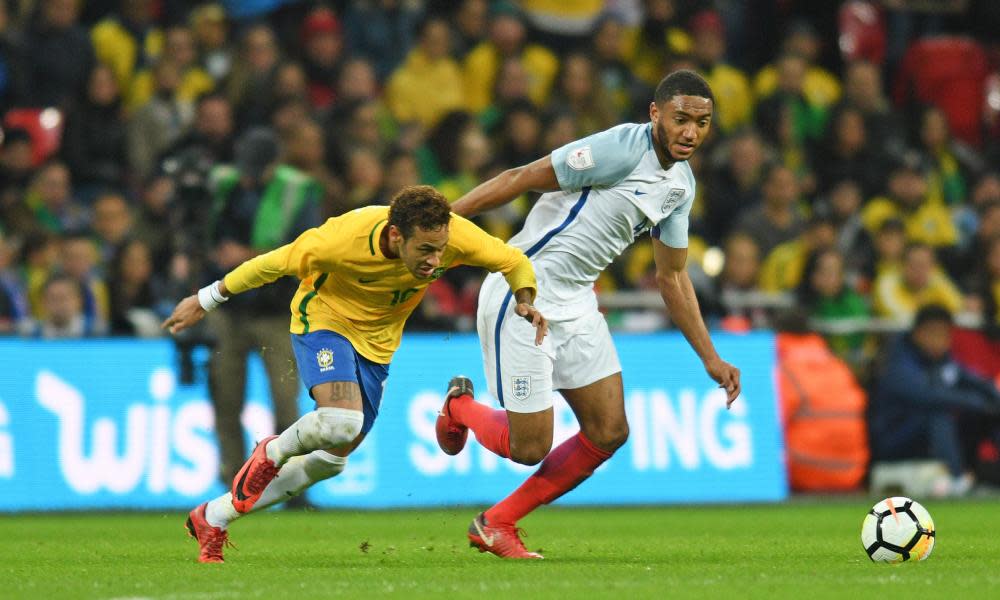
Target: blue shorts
(324, 356)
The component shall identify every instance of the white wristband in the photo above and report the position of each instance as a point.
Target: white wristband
(210, 296)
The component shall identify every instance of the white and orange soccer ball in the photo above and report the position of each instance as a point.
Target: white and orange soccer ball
(897, 529)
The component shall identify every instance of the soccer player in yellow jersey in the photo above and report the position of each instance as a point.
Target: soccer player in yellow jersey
(362, 275)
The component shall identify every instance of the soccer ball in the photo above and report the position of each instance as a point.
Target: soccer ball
(897, 529)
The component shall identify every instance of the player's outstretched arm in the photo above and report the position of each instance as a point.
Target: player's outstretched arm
(194, 308)
(678, 294)
(538, 176)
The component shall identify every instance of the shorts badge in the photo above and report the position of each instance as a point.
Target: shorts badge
(520, 387)
(324, 358)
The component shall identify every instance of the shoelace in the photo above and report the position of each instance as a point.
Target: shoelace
(215, 544)
(261, 477)
(516, 533)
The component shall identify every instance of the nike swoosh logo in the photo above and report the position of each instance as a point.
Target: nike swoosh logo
(366, 280)
(638, 193)
(240, 495)
(487, 539)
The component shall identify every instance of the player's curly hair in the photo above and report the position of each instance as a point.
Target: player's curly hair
(418, 206)
(682, 83)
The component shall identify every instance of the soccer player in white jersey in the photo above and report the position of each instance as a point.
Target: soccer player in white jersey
(604, 191)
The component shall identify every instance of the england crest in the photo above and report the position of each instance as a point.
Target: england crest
(673, 197)
(520, 387)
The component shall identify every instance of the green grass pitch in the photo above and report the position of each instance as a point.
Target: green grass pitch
(805, 549)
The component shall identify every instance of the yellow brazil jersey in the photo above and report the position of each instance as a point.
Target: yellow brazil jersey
(348, 286)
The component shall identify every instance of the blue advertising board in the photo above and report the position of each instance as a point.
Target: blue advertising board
(105, 424)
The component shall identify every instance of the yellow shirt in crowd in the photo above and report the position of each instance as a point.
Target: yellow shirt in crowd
(348, 286)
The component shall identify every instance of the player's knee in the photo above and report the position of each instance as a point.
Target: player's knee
(339, 426)
(530, 453)
(321, 465)
(610, 437)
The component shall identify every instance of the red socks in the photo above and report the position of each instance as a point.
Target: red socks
(489, 425)
(566, 467)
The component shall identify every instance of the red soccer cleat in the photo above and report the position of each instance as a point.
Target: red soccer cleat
(210, 539)
(452, 436)
(253, 477)
(503, 541)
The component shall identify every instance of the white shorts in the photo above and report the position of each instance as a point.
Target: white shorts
(577, 351)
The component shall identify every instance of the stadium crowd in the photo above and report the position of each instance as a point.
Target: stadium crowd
(121, 120)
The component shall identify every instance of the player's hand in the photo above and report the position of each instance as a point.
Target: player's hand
(187, 312)
(727, 376)
(531, 314)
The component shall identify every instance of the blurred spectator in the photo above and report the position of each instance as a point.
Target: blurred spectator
(845, 153)
(58, 54)
(819, 87)
(469, 26)
(986, 287)
(909, 199)
(778, 130)
(784, 266)
(863, 89)
(39, 259)
(580, 90)
(160, 122)
(15, 160)
(808, 119)
(512, 87)
(112, 223)
(211, 32)
(735, 185)
(289, 112)
(823, 292)
(13, 298)
(134, 291)
(734, 100)
(520, 134)
(50, 197)
(463, 161)
(305, 150)
(900, 293)
(429, 84)
(356, 81)
(322, 44)
(210, 137)
(364, 179)
(401, 171)
(382, 31)
(660, 36)
(843, 205)
(888, 245)
(954, 162)
(625, 90)
(94, 143)
(13, 84)
(559, 129)
(727, 301)
(129, 40)
(777, 218)
(564, 26)
(179, 47)
(925, 405)
(63, 312)
(351, 126)
(260, 204)
(507, 40)
(966, 264)
(248, 86)
(78, 260)
(155, 222)
(985, 191)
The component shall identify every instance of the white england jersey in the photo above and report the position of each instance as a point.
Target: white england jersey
(613, 189)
